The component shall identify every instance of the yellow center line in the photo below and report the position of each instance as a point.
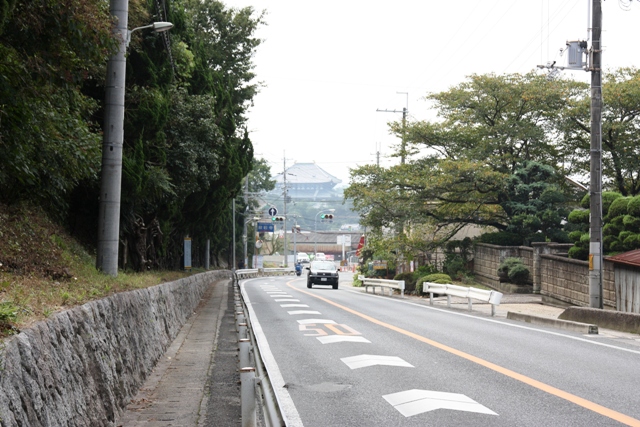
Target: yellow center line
(587, 404)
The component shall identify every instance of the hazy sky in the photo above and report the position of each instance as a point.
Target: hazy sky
(328, 66)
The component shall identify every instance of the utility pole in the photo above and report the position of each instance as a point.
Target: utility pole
(405, 112)
(244, 229)
(595, 186)
(112, 142)
(284, 194)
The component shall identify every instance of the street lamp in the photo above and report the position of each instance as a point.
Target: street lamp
(315, 230)
(112, 143)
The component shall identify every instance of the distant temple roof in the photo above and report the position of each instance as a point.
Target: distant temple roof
(307, 173)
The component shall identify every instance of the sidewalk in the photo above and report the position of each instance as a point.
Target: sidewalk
(196, 382)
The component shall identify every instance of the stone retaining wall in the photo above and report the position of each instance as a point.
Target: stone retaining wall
(81, 366)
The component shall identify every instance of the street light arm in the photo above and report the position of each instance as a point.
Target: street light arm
(158, 27)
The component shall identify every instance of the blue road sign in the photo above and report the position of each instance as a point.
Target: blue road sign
(273, 211)
(265, 227)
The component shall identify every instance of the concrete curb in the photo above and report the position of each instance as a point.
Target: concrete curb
(583, 328)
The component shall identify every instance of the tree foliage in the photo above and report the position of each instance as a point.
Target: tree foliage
(186, 149)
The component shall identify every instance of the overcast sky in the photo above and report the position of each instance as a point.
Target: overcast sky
(328, 66)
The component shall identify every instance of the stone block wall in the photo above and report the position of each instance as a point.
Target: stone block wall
(487, 258)
(81, 366)
(567, 280)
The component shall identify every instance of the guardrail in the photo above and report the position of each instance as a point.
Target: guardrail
(492, 297)
(278, 271)
(382, 283)
(247, 272)
(253, 374)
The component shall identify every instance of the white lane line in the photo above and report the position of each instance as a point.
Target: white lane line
(287, 407)
(286, 300)
(365, 360)
(414, 402)
(303, 312)
(276, 292)
(280, 296)
(454, 313)
(332, 339)
(316, 321)
(293, 305)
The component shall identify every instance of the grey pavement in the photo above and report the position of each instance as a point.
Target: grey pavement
(196, 382)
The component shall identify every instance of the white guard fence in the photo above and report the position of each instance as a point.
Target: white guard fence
(492, 297)
(382, 284)
(255, 272)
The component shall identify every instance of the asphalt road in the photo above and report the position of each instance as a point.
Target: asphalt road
(344, 358)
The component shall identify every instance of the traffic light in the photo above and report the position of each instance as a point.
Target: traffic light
(277, 218)
(326, 217)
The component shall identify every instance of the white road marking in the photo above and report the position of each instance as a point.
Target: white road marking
(293, 305)
(332, 339)
(316, 321)
(276, 292)
(302, 311)
(413, 402)
(280, 296)
(365, 360)
(287, 300)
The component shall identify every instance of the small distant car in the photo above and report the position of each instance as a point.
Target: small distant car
(322, 273)
(303, 258)
(320, 256)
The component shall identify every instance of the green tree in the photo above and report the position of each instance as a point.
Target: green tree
(620, 131)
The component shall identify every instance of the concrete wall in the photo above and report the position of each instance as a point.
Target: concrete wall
(487, 258)
(81, 366)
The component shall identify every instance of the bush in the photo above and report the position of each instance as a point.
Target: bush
(578, 252)
(424, 270)
(618, 207)
(608, 197)
(501, 238)
(634, 206)
(519, 274)
(440, 278)
(409, 281)
(454, 266)
(579, 216)
(515, 270)
(575, 236)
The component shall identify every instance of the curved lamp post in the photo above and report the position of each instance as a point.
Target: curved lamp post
(113, 137)
(315, 230)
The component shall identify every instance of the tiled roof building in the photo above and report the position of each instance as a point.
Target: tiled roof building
(307, 180)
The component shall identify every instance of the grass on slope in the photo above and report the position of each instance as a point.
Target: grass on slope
(43, 270)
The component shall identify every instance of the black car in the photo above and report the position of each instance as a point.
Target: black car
(322, 273)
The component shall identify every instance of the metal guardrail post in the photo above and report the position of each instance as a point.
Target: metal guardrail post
(242, 330)
(245, 356)
(248, 396)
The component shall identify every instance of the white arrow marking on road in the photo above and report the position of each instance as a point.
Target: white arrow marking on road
(414, 402)
(331, 339)
(365, 360)
(303, 311)
(312, 321)
(287, 300)
(293, 305)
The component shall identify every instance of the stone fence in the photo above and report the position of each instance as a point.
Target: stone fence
(81, 366)
(553, 275)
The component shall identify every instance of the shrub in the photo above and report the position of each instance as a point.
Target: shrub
(454, 266)
(579, 216)
(633, 208)
(631, 223)
(424, 270)
(519, 274)
(409, 281)
(575, 236)
(515, 270)
(578, 252)
(608, 197)
(618, 207)
(440, 278)
(501, 238)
